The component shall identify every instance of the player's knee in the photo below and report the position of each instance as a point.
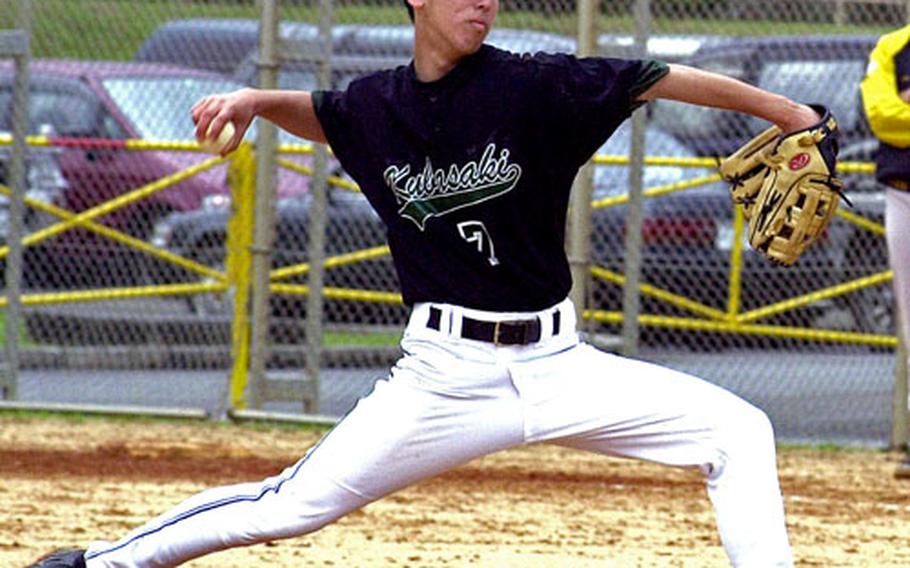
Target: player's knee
(743, 427)
(745, 437)
(751, 429)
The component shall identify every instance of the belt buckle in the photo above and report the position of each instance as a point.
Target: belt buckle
(514, 324)
(496, 333)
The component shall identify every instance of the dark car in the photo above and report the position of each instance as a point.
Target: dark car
(688, 238)
(809, 69)
(90, 109)
(214, 44)
(354, 228)
(44, 182)
(218, 44)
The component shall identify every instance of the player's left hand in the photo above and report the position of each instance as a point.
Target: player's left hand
(798, 192)
(800, 117)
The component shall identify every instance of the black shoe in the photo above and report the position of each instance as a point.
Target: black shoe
(70, 558)
(903, 469)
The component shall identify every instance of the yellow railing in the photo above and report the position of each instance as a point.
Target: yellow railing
(731, 319)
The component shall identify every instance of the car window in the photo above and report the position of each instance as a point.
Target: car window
(67, 113)
(810, 81)
(158, 107)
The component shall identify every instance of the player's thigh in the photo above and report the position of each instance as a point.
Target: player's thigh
(611, 404)
(400, 434)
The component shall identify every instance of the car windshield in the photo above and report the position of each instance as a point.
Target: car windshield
(159, 107)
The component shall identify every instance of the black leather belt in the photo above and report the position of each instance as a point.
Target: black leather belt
(509, 332)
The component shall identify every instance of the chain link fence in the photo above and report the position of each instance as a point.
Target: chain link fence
(128, 261)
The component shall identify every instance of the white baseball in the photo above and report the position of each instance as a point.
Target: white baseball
(217, 145)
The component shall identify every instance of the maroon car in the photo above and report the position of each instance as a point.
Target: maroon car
(90, 109)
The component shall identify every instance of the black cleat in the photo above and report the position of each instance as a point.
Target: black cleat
(69, 558)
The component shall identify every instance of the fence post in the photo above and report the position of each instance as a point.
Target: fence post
(840, 12)
(579, 223)
(316, 226)
(15, 44)
(264, 214)
(631, 304)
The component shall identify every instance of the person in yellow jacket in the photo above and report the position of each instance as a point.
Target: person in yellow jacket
(886, 99)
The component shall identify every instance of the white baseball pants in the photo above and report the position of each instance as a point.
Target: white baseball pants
(449, 400)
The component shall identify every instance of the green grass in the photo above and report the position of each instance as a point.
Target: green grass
(81, 418)
(361, 339)
(24, 341)
(114, 29)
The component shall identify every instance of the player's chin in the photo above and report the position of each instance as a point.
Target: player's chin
(472, 37)
(470, 45)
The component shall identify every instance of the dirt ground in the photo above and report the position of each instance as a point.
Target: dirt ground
(66, 482)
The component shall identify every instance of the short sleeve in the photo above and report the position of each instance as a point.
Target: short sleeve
(336, 119)
(593, 96)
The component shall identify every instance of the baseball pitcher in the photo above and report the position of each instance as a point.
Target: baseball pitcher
(468, 155)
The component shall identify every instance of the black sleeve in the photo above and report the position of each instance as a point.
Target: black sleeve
(333, 109)
(594, 95)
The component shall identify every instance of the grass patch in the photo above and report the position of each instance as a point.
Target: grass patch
(361, 339)
(24, 340)
(114, 29)
(100, 418)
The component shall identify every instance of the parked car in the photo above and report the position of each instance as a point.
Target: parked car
(44, 182)
(825, 69)
(219, 44)
(90, 108)
(666, 47)
(353, 226)
(213, 44)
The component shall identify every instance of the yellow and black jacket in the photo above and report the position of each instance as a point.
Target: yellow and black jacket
(889, 116)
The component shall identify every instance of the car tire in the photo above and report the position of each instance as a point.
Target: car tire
(873, 308)
(210, 304)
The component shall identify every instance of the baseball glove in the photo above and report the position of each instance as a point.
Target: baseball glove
(787, 187)
(746, 168)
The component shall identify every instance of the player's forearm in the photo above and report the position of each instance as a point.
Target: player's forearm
(695, 86)
(290, 110)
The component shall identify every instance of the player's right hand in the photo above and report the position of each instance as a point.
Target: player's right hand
(212, 112)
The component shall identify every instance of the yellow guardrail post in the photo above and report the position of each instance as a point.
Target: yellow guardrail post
(242, 179)
(736, 262)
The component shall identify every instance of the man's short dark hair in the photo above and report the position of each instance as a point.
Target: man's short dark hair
(410, 9)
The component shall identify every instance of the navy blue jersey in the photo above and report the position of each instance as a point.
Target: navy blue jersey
(471, 173)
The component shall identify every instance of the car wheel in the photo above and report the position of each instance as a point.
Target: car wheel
(211, 304)
(873, 309)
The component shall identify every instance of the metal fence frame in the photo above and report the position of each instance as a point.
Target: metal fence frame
(252, 279)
